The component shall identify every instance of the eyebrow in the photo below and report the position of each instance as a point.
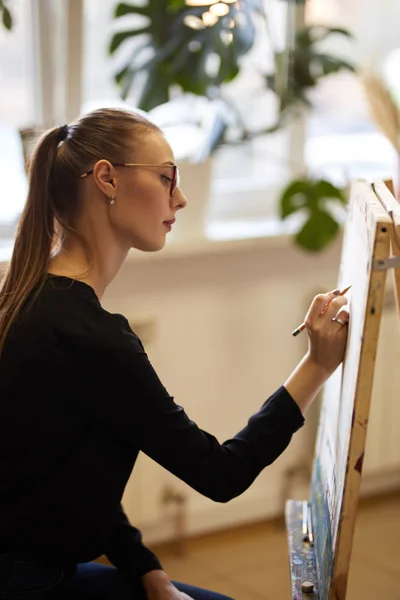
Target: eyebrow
(168, 162)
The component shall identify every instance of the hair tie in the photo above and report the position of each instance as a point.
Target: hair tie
(63, 133)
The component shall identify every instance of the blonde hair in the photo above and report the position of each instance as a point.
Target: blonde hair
(60, 156)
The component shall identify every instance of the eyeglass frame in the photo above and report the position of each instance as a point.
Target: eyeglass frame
(175, 181)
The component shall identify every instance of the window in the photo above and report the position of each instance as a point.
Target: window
(17, 109)
(337, 140)
(17, 99)
(248, 178)
(342, 141)
(99, 88)
(255, 171)
(98, 67)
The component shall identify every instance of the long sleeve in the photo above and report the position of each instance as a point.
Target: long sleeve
(126, 551)
(68, 456)
(140, 412)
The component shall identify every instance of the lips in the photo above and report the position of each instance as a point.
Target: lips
(170, 222)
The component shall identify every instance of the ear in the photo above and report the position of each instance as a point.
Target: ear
(105, 177)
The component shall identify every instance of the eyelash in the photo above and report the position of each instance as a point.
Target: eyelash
(166, 178)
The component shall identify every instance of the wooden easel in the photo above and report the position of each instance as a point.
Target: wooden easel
(320, 532)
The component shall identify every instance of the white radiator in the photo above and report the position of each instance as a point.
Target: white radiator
(382, 457)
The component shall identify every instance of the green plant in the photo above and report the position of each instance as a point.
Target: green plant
(297, 73)
(176, 48)
(307, 65)
(312, 197)
(6, 16)
(172, 53)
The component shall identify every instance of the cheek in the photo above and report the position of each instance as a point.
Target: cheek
(143, 203)
(128, 191)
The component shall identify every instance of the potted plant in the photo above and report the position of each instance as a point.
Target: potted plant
(312, 199)
(173, 50)
(176, 44)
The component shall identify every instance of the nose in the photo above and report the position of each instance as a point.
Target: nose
(179, 199)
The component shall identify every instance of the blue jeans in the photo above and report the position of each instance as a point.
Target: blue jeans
(24, 580)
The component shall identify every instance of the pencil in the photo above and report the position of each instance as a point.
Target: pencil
(301, 327)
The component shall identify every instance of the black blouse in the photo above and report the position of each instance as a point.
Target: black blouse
(78, 400)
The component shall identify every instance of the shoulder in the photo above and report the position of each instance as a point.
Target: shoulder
(68, 312)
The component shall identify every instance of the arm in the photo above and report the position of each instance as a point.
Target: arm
(305, 382)
(126, 551)
(158, 587)
(327, 344)
(134, 404)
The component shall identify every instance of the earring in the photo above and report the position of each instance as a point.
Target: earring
(112, 200)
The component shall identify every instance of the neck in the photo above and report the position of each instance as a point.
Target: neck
(72, 261)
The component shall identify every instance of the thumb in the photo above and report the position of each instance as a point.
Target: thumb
(333, 293)
(330, 296)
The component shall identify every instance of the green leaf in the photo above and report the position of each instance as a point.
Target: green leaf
(7, 18)
(306, 68)
(194, 81)
(318, 232)
(152, 7)
(121, 36)
(123, 9)
(330, 64)
(124, 73)
(325, 189)
(156, 89)
(321, 32)
(311, 196)
(177, 4)
(172, 42)
(294, 197)
(304, 39)
(120, 75)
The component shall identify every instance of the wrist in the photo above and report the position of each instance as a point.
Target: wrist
(315, 371)
(155, 579)
(306, 381)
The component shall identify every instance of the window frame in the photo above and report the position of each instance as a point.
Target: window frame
(71, 82)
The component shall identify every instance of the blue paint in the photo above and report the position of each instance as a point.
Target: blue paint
(322, 532)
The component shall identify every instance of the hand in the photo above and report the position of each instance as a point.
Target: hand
(327, 344)
(327, 335)
(158, 587)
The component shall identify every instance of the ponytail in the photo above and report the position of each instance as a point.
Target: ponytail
(34, 238)
(53, 197)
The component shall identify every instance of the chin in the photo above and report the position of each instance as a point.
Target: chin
(149, 245)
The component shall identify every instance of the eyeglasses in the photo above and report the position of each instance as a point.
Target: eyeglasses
(175, 180)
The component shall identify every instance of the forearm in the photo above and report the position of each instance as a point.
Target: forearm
(305, 382)
(155, 579)
(126, 551)
(157, 586)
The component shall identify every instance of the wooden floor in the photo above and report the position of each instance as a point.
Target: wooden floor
(251, 563)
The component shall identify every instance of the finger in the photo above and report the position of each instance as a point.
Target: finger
(342, 316)
(319, 304)
(334, 307)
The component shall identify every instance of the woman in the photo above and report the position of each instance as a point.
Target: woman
(79, 398)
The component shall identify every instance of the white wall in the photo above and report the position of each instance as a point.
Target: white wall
(221, 343)
(373, 24)
(216, 322)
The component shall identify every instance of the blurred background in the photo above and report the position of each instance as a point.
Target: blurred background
(272, 108)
